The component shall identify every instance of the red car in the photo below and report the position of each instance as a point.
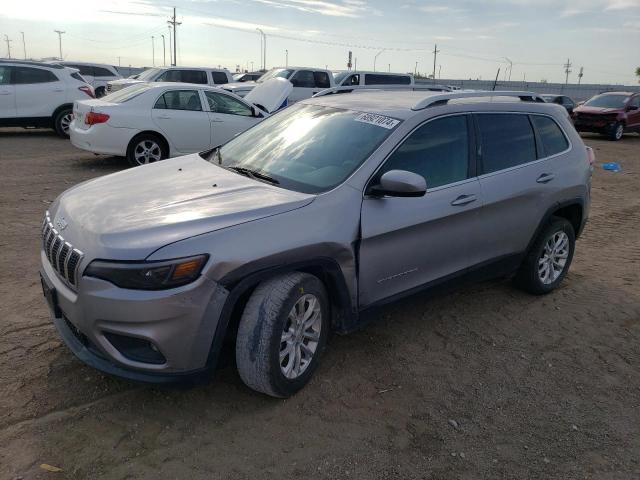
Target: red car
(612, 114)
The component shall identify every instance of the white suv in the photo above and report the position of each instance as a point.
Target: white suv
(201, 76)
(34, 94)
(96, 74)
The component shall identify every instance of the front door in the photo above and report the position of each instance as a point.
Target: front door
(180, 117)
(411, 242)
(228, 117)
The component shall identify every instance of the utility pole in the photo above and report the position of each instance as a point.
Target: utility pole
(389, 70)
(153, 51)
(415, 70)
(567, 71)
(263, 50)
(164, 53)
(376, 58)
(24, 46)
(435, 55)
(355, 63)
(439, 70)
(286, 56)
(580, 75)
(118, 61)
(174, 24)
(510, 68)
(6, 39)
(59, 32)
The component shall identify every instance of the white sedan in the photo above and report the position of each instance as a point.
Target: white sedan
(148, 122)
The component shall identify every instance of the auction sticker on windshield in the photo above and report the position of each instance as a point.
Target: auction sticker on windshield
(379, 120)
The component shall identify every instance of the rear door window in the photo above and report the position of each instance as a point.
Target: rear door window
(507, 141)
(551, 136)
(219, 77)
(27, 75)
(438, 150)
(180, 100)
(304, 79)
(193, 76)
(321, 79)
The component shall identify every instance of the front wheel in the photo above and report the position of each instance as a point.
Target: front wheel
(617, 132)
(548, 261)
(146, 148)
(62, 121)
(282, 333)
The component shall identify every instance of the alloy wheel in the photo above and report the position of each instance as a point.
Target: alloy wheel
(300, 336)
(147, 151)
(554, 256)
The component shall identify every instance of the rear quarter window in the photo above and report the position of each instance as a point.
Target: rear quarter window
(219, 77)
(551, 136)
(507, 140)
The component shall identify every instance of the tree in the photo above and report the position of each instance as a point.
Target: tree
(638, 74)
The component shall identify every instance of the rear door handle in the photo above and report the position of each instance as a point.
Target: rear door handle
(216, 120)
(464, 200)
(545, 178)
(164, 117)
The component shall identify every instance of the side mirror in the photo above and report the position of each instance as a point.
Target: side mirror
(400, 183)
(632, 107)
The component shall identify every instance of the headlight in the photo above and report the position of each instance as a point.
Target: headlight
(148, 275)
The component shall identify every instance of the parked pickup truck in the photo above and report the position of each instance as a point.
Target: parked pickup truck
(201, 76)
(349, 78)
(306, 82)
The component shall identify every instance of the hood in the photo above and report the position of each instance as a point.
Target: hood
(130, 214)
(596, 110)
(239, 88)
(270, 95)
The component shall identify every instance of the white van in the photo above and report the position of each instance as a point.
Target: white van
(96, 74)
(360, 78)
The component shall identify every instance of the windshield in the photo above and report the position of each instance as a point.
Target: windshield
(339, 77)
(276, 72)
(607, 101)
(148, 74)
(127, 93)
(307, 148)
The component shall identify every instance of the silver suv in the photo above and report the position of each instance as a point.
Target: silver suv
(293, 229)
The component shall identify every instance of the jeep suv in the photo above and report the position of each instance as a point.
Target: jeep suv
(611, 114)
(297, 226)
(35, 94)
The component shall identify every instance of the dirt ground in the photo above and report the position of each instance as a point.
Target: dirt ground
(485, 382)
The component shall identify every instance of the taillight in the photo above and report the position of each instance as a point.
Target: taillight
(88, 90)
(591, 156)
(92, 118)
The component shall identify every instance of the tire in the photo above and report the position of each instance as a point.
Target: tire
(616, 132)
(532, 271)
(262, 338)
(154, 146)
(61, 122)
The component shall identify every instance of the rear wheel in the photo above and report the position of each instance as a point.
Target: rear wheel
(282, 333)
(548, 261)
(146, 148)
(61, 122)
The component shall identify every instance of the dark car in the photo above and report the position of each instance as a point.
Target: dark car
(611, 114)
(563, 100)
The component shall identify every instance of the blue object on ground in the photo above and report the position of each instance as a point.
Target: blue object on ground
(612, 167)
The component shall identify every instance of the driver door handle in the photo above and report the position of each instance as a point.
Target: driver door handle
(464, 200)
(216, 120)
(545, 178)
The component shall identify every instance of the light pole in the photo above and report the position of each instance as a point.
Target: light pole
(510, 68)
(415, 70)
(153, 50)
(376, 58)
(24, 46)
(60, 32)
(263, 49)
(286, 56)
(164, 55)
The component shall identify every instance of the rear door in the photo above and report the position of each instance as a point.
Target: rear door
(228, 117)
(410, 242)
(7, 94)
(38, 91)
(180, 116)
(518, 176)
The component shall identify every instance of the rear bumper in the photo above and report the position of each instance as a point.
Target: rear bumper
(178, 325)
(102, 138)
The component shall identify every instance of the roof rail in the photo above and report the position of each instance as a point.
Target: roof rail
(32, 62)
(443, 98)
(377, 88)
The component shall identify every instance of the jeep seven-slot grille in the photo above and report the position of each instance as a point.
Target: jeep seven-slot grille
(61, 255)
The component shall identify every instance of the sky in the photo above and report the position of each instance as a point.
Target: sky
(474, 38)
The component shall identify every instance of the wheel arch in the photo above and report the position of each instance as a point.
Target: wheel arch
(55, 113)
(344, 317)
(571, 210)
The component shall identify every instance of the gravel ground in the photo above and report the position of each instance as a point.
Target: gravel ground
(485, 382)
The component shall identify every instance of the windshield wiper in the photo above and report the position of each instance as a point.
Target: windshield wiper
(247, 172)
